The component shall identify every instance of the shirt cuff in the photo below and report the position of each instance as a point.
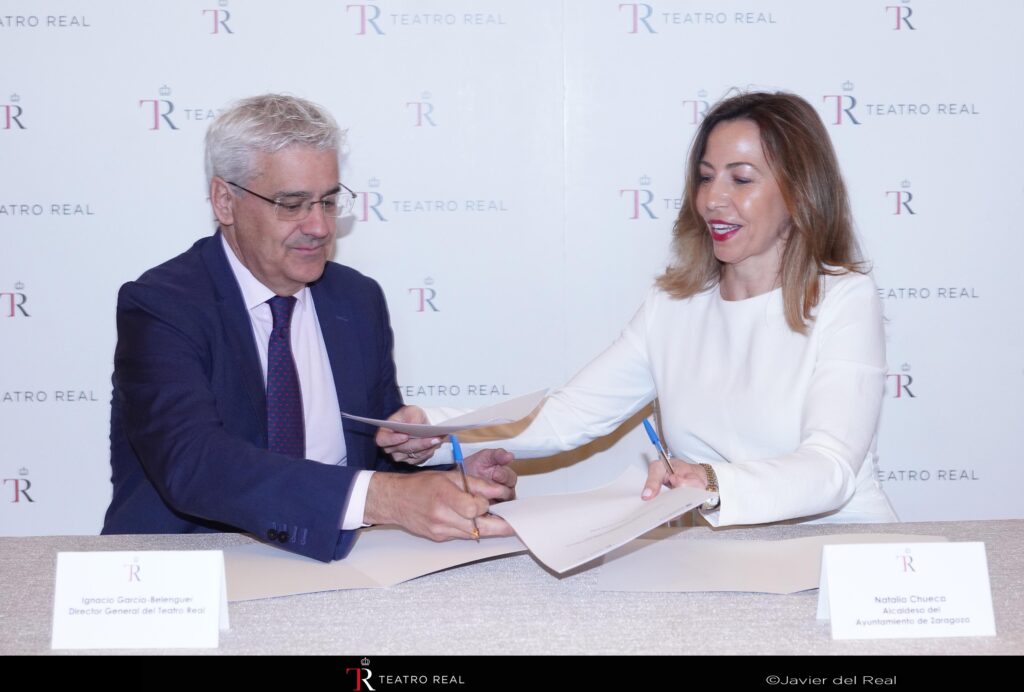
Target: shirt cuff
(356, 508)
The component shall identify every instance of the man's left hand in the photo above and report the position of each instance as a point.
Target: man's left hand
(493, 465)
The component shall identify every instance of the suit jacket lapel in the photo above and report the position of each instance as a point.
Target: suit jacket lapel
(344, 350)
(237, 328)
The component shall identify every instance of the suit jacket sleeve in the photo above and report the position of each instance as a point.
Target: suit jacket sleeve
(196, 435)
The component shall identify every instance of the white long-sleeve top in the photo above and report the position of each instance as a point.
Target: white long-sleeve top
(788, 421)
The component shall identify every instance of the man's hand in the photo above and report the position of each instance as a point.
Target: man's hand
(402, 447)
(493, 465)
(432, 504)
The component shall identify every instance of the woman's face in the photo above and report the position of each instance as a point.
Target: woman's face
(741, 201)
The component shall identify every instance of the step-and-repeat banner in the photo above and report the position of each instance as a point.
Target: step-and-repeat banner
(519, 166)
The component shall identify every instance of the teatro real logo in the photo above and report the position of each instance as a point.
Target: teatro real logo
(424, 296)
(847, 109)
(11, 114)
(218, 19)
(638, 16)
(367, 17)
(839, 108)
(949, 294)
(481, 389)
(642, 17)
(158, 111)
(639, 199)
(902, 199)
(19, 487)
(12, 303)
(442, 206)
(926, 475)
(899, 16)
(422, 110)
(47, 21)
(362, 675)
(696, 109)
(162, 114)
(368, 202)
(898, 384)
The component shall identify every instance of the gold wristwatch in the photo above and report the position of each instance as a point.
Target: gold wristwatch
(712, 503)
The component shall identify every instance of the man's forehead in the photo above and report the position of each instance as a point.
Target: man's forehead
(298, 169)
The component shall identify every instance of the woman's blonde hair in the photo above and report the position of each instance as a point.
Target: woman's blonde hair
(820, 236)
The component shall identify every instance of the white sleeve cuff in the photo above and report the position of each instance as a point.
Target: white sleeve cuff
(356, 508)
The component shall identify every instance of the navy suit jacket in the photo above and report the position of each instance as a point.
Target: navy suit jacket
(188, 426)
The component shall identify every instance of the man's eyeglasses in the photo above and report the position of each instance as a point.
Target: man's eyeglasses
(297, 208)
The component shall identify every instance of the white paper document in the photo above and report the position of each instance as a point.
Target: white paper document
(499, 414)
(677, 563)
(564, 531)
(139, 600)
(906, 590)
(382, 556)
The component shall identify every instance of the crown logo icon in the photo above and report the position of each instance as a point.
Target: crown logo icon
(425, 96)
(905, 184)
(847, 85)
(165, 90)
(18, 285)
(429, 281)
(374, 182)
(23, 471)
(223, 3)
(15, 98)
(702, 93)
(645, 180)
(364, 662)
(905, 367)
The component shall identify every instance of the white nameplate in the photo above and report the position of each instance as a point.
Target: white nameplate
(903, 590)
(139, 600)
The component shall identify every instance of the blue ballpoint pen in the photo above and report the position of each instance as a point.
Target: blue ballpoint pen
(656, 441)
(457, 454)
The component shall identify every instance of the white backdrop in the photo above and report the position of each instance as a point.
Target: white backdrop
(519, 165)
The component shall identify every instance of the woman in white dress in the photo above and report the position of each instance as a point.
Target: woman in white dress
(763, 341)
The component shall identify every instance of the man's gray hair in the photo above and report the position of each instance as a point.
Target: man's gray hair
(267, 124)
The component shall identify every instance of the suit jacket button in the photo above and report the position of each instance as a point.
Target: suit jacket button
(272, 534)
(283, 536)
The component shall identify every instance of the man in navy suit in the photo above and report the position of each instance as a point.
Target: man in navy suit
(215, 426)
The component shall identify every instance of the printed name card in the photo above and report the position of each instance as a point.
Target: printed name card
(139, 600)
(905, 590)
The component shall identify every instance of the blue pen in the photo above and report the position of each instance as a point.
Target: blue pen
(656, 441)
(457, 453)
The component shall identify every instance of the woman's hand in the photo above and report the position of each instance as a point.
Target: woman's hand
(683, 474)
(402, 447)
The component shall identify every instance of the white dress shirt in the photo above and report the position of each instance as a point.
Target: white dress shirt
(325, 439)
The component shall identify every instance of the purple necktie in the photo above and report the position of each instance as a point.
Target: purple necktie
(285, 428)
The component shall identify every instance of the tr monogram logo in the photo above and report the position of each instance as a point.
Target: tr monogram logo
(11, 114)
(19, 488)
(368, 16)
(220, 19)
(901, 14)
(362, 675)
(160, 108)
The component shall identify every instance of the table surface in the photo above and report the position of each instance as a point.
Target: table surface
(513, 605)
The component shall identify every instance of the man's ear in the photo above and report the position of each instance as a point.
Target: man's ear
(223, 201)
